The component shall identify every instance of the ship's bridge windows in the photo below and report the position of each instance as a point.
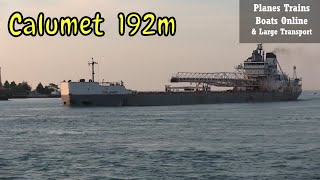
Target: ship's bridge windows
(254, 64)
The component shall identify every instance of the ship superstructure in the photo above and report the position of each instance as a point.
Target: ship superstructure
(260, 72)
(258, 79)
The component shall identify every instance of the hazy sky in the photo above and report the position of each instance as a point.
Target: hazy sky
(207, 40)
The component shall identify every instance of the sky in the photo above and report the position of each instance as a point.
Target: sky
(207, 40)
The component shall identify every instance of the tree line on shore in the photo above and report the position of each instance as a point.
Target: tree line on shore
(24, 88)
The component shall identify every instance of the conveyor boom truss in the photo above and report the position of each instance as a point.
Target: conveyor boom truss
(220, 79)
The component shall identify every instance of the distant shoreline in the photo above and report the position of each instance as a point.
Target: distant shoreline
(33, 96)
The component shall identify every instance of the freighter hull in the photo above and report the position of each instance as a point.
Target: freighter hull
(169, 99)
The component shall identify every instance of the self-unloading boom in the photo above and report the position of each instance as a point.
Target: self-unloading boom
(220, 79)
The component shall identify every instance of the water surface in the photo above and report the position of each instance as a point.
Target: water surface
(40, 139)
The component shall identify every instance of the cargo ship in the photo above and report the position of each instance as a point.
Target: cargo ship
(258, 79)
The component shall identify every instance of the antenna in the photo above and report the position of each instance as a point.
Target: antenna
(295, 72)
(92, 63)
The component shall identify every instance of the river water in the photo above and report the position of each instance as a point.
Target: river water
(40, 139)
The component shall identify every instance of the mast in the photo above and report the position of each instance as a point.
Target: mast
(0, 78)
(295, 73)
(92, 63)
